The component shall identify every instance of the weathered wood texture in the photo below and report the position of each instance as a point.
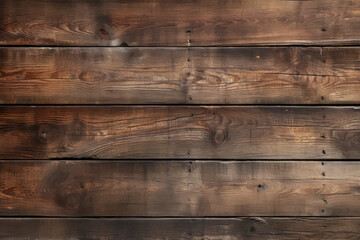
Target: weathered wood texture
(165, 228)
(180, 76)
(179, 52)
(179, 188)
(178, 23)
(179, 132)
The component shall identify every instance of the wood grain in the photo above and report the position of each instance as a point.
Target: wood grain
(174, 23)
(179, 132)
(281, 75)
(202, 53)
(208, 228)
(179, 188)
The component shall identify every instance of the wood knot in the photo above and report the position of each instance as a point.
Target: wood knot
(219, 136)
(283, 19)
(46, 133)
(105, 32)
(73, 200)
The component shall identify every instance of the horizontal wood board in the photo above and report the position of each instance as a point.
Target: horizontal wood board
(178, 23)
(179, 188)
(165, 228)
(179, 132)
(270, 75)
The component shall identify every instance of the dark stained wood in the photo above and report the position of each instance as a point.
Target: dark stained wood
(164, 75)
(141, 171)
(179, 132)
(207, 228)
(178, 23)
(179, 188)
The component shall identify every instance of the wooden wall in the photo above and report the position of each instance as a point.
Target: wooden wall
(166, 119)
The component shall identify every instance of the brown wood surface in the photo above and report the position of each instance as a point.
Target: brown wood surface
(178, 23)
(165, 228)
(179, 188)
(283, 75)
(179, 132)
(122, 168)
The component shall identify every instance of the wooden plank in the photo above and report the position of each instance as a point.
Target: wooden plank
(174, 23)
(179, 188)
(282, 75)
(179, 132)
(208, 228)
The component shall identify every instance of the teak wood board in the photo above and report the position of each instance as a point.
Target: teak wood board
(247, 75)
(179, 188)
(254, 228)
(179, 132)
(179, 23)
